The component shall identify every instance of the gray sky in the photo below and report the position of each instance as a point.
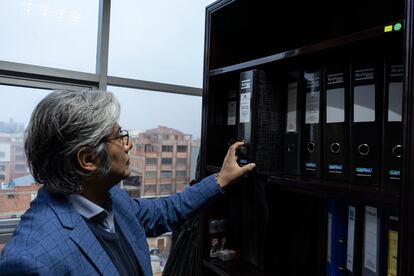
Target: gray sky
(159, 41)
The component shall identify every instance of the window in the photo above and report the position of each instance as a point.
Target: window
(166, 174)
(20, 167)
(2, 167)
(167, 148)
(173, 41)
(166, 161)
(181, 161)
(150, 189)
(166, 189)
(181, 148)
(2, 177)
(181, 174)
(60, 34)
(151, 161)
(2, 154)
(150, 174)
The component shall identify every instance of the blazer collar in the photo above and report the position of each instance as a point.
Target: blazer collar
(80, 234)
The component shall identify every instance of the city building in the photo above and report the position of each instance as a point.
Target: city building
(161, 158)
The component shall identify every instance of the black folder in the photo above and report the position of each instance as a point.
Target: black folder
(312, 124)
(336, 127)
(392, 132)
(365, 122)
(293, 123)
(260, 121)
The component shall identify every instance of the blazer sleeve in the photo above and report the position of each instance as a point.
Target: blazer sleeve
(22, 265)
(160, 215)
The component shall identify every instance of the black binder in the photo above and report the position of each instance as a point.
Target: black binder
(222, 124)
(392, 132)
(260, 122)
(365, 122)
(336, 126)
(312, 124)
(293, 123)
(354, 239)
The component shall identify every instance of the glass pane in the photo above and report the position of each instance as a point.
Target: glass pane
(158, 40)
(17, 186)
(165, 131)
(59, 34)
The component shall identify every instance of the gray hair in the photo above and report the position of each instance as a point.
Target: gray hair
(63, 123)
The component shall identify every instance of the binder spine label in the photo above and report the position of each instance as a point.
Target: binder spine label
(360, 171)
(245, 96)
(351, 239)
(335, 168)
(231, 114)
(291, 116)
(312, 107)
(310, 166)
(371, 239)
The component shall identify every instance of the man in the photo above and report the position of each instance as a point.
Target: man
(81, 222)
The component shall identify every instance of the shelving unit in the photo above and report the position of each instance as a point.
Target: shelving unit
(280, 37)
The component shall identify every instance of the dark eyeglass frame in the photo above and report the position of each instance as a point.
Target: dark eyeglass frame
(124, 134)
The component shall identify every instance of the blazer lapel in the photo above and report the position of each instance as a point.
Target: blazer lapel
(132, 232)
(80, 233)
(85, 239)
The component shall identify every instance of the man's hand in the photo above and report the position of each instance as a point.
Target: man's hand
(231, 171)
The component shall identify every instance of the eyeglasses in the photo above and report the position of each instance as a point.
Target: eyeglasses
(123, 134)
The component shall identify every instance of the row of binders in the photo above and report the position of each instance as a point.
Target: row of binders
(349, 227)
(339, 122)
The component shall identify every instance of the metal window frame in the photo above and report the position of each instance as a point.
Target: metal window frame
(42, 77)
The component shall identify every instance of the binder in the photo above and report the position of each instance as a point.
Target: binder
(392, 244)
(337, 238)
(365, 122)
(222, 124)
(260, 122)
(336, 126)
(312, 127)
(392, 150)
(293, 122)
(371, 246)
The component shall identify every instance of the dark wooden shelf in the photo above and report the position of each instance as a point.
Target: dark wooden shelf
(369, 194)
(231, 268)
(308, 49)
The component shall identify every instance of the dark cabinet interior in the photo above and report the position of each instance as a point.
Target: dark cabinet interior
(278, 218)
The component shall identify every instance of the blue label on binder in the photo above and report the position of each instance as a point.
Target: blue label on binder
(243, 161)
(310, 165)
(364, 170)
(395, 172)
(335, 167)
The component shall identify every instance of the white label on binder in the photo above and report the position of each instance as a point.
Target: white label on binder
(364, 103)
(245, 107)
(231, 113)
(370, 238)
(335, 105)
(350, 239)
(291, 107)
(395, 102)
(312, 108)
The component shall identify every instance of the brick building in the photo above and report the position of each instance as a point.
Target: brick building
(161, 158)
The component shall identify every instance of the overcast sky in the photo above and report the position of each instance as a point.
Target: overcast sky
(159, 41)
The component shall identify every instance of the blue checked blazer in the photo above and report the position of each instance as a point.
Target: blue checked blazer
(53, 239)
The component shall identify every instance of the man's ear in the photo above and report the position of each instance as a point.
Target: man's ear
(87, 159)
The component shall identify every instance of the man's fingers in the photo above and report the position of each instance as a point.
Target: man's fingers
(248, 167)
